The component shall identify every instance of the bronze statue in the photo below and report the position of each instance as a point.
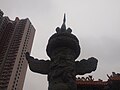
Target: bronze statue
(63, 48)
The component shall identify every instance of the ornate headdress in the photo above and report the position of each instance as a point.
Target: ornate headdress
(63, 38)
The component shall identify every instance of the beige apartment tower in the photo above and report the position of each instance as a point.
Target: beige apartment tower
(16, 38)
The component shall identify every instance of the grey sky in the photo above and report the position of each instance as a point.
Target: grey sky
(96, 23)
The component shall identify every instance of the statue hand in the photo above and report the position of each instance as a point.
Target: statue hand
(38, 66)
(93, 62)
(28, 57)
(86, 66)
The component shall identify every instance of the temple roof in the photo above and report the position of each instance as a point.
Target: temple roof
(93, 83)
(117, 78)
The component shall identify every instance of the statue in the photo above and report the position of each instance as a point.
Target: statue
(63, 49)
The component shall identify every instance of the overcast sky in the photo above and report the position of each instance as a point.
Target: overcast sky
(96, 23)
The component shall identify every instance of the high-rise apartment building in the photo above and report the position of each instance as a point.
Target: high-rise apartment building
(16, 38)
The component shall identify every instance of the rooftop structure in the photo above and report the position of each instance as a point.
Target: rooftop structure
(113, 83)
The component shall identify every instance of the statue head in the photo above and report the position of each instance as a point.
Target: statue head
(63, 38)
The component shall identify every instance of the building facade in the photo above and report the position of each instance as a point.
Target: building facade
(16, 38)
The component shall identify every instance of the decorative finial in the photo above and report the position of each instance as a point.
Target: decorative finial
(1, 13)
(63, 27)
(64, 20)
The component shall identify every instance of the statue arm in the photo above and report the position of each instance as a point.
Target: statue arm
(38, 66)
(86, 66)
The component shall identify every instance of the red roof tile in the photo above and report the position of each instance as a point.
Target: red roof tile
(101, 83)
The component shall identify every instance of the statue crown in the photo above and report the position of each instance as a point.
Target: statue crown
(63, 27)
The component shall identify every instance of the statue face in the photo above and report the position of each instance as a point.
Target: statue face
(64, 52)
